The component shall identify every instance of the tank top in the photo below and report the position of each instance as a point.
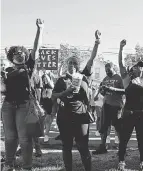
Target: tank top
(134, 97)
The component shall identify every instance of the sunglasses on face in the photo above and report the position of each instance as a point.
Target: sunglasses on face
(19, 54)
(72, 63)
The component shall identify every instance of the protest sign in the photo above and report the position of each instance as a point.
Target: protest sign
(48, 59)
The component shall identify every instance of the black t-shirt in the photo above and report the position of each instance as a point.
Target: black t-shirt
(74, 103)
(17, 82)
(134, 97)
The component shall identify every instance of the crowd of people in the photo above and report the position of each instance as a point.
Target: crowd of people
(117, 102)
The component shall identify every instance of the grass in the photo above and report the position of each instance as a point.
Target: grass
(52, 161)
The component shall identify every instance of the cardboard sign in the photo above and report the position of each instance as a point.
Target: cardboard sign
(48, 59)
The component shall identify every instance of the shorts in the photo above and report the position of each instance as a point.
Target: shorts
(47, 105)
(109, 116)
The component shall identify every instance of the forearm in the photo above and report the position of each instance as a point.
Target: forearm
(54, 107)
(38, 92)
(37, 43)
(117, 90)
(60, 71)
(59, 95)
(120, 58)
(93, 55)
(49, 81)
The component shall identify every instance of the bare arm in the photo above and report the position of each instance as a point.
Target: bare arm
(38, 92)
(38, 39)
(60, 70)
(65, 93)
(54, 108)
(94, 51)
(117, 89)
(49, 81)
(121, 66)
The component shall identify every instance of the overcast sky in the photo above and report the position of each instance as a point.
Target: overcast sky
(74, 22)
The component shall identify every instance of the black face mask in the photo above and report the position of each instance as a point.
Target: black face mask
(109, 74)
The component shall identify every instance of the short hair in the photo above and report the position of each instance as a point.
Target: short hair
(15, 49)
(109, 64)
(77, 60)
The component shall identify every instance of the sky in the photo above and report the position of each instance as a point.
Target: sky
(74, 22)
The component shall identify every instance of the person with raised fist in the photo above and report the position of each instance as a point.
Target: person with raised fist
(132, 115)
(72, 95)
(112, 89)
(15, 106)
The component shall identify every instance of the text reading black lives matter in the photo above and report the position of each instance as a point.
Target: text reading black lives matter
(48, 59)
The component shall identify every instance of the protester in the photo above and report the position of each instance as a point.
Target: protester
(112, 87)
(132, 115)
(14, 108)
(71, 107)
(36, 86)
(46, 101)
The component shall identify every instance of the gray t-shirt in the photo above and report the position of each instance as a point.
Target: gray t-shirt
(114, 99)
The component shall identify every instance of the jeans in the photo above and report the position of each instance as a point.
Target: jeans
(130, 121)
(98, 112)
(13, 117)
(80, 132)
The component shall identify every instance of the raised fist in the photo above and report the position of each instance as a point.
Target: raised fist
(40, 23)
(123, 43)
(97, 34)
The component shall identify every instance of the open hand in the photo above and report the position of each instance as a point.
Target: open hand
(40, 23)
(122, 43)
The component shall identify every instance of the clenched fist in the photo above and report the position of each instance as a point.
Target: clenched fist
(122, 43)
(40, 23)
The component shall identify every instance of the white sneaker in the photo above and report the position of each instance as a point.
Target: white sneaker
(141, 166)
(46, 138)
(8, 168)
(108, 139)
(121, 166)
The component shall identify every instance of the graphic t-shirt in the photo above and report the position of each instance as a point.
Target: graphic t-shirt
(114, 99)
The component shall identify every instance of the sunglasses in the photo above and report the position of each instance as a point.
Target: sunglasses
(72, 63)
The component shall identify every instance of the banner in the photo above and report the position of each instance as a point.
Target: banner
(48, 59)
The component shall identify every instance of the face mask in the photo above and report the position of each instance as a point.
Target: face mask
(19, 59)
(110, 74)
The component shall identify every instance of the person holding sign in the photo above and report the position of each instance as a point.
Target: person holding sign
(15, 106)
(71, 92)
